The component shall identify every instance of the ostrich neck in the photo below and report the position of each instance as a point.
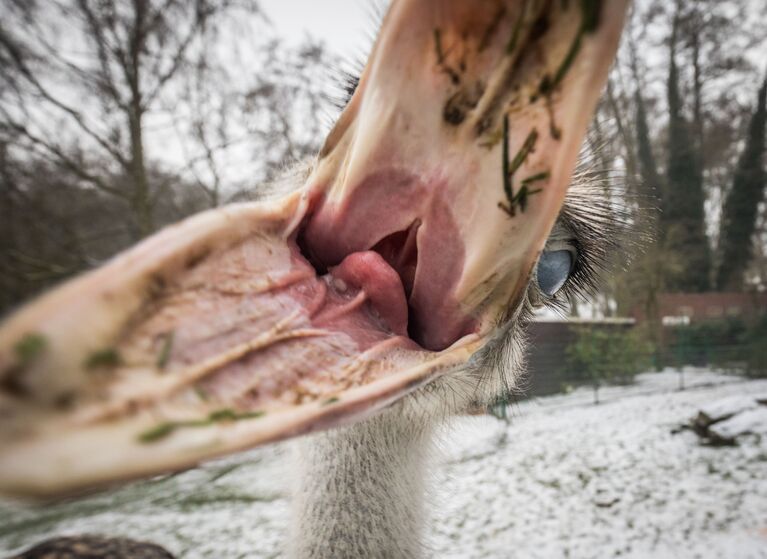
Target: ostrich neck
(360, 490)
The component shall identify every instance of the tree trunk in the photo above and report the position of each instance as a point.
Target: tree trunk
(628, 141)
(142, 205)
(683, 218)
(698, 125)
(652, 185)
(740, 207)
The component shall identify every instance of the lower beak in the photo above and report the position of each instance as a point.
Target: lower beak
(413, 236)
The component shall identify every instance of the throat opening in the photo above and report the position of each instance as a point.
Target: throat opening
(383, 274)
(400, 250)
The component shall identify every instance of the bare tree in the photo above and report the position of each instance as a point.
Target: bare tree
(85, 79)
(119, 117)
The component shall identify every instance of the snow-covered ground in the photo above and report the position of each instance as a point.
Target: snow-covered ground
(564, 479)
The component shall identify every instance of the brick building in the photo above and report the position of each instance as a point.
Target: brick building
(678, 309)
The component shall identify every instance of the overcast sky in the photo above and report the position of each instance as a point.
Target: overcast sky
(343, 24)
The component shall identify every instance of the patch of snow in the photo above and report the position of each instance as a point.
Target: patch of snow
(750, 422)
(564, 478)
(727, 407)
(471, 438)
(585, 481)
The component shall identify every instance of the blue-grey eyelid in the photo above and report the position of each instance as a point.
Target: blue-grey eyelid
(553, 277)
(553, 246)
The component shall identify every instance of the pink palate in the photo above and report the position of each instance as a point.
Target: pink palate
(409, 220)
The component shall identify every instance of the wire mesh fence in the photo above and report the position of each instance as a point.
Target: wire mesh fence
(563, 355)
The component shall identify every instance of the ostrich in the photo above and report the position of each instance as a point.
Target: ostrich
(374, 292)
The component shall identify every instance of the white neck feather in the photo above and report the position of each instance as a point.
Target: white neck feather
(361, 489)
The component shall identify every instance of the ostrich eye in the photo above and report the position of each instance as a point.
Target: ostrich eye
(554, 267)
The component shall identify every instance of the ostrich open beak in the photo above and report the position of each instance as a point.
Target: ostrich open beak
(413, 236)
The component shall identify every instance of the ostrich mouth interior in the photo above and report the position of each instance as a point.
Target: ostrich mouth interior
(378, 281)
(375, 288)
(413, 235)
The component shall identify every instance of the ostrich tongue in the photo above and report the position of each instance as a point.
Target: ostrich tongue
(213, 336)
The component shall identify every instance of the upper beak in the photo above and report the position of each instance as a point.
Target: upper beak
(414, 234)
(448, 88)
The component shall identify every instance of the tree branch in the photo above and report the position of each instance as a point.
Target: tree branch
(18, 60)
(65, 161)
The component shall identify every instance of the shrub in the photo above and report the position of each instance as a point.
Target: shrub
(599, 356)
(718, 343)
(755, 339)
(730, 344)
